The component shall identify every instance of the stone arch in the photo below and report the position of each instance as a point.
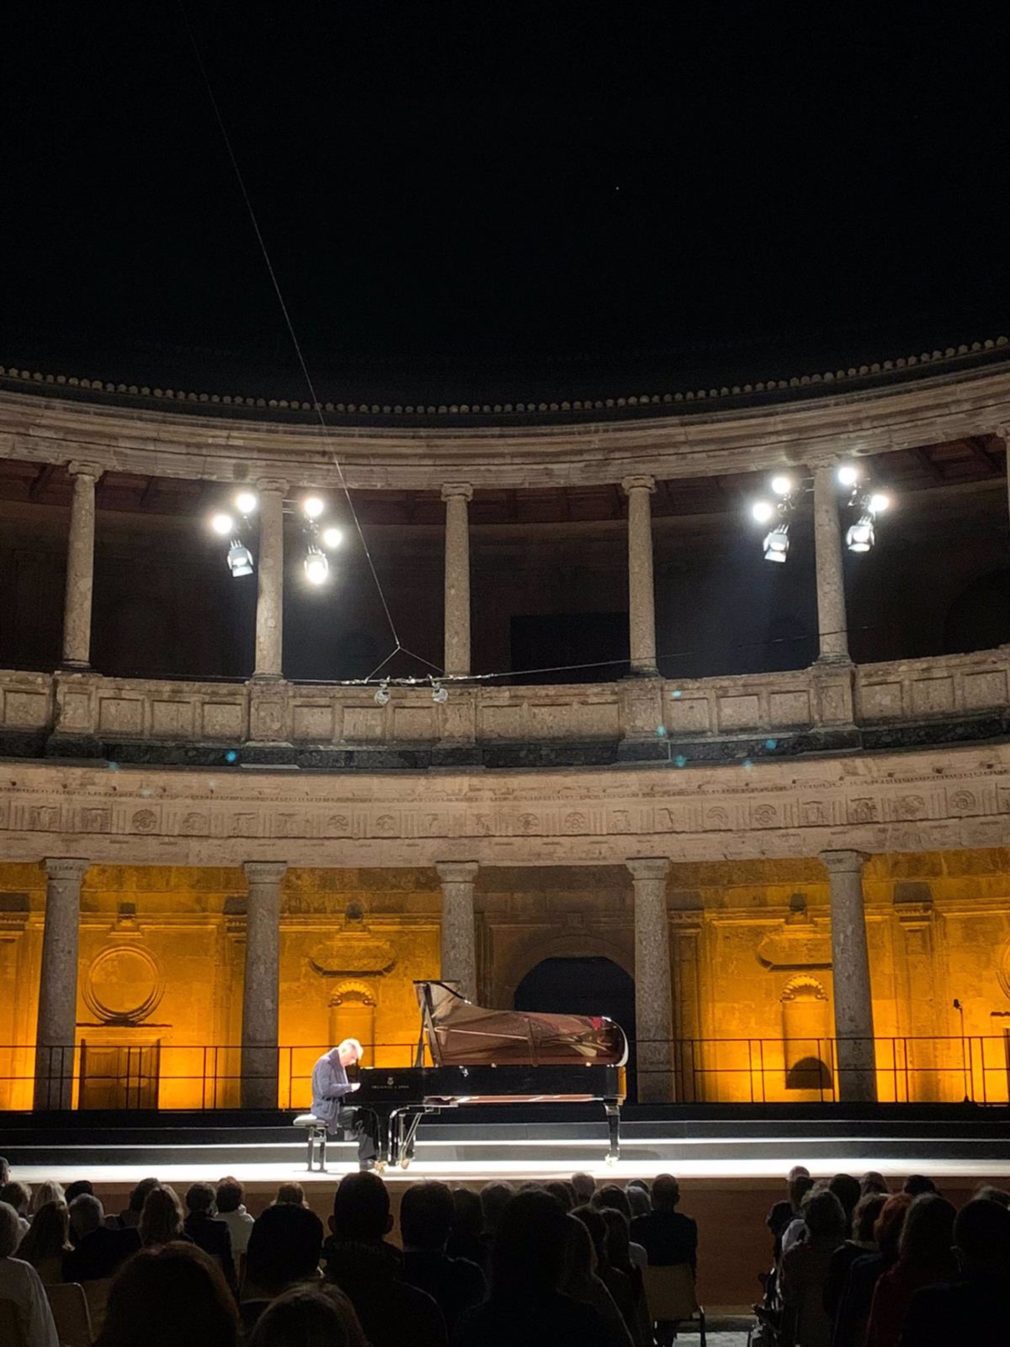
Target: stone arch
(352, 1014)
(563, 945)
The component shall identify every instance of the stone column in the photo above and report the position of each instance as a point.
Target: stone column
(832, 625)
(854, 1049)
(57, 1018)
(641, 595)
(457, 577)
(80, 568)
(653, 989)
(459, 943)
(270, 573)
(259, 988)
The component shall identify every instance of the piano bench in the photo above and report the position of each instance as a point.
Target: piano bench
(315, 1135)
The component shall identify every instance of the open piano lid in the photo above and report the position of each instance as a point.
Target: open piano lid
(462, 1034)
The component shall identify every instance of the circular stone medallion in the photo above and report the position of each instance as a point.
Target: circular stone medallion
(123, 985)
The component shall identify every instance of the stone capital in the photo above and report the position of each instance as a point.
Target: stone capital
(65, 867)
(457, 491)
(271, 486)
(824, 458)
(641, 482)
(85, 468)
(648, 867)
(457, 872)
(264, 872)
(844, 862)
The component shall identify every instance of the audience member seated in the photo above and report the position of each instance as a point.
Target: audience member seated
(1000, 1195)
(21, 1285)
(17, 1195)
(5, 1171)
(170, 1296)
(76, 1188)
(284, 1249)
(206, 1233)
(874, 1182)
(494, 1198)
(667, 1236)
(581, 1281)
(308, 1316)
(454, 1284)
(784, 1212)
(857, 1296)
(371, 1272)
(232, 1213)
(161, 1219)
(466, 1237)
(975, 1309)
(619, 1257)
(616, 1283)
(48, 1241)
(804, 1271)
(861, 1243)
(583, 1185)
(918, 1183)
(925, 1256)
(290, 1194)
(525, 1308)
(611, 1197)
(98, 1250)
(564, 1192)
(130, 1218)
(639, 1197)
(43, 1193)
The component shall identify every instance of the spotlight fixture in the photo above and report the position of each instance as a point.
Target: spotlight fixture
(382, 693)
(332, 536)
(317, 568)
(879, 502)
(313, 507)
(776, 544)
(240, 560)
(848, 474)
(859, 537)
(782, 484)
(222, 523)
(439, 693)
(762, 511)
(246, 502)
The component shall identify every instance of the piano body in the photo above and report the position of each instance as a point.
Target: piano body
(483, 1056)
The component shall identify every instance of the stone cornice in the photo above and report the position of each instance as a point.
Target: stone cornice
(668, 445)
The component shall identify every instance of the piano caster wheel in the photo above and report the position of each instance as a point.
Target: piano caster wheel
(612, 1160)
(405, 1162)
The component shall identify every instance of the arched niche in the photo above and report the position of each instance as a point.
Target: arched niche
(807, 1046)
(352, 1015)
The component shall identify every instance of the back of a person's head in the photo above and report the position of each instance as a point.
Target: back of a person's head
(5, 1170)
(308, 1316)
(618, 1243)
(529, 1247)
(284, 1247)
(797, 1172)
(798, 1189)
(167, 1297)
(918, 1183)
(86, 1214)
(873, 1182)
(580, 1255)
(592, 1218)
(864, 1218)
(42, 1193)
(76, 1188)
(639, 1197)
(848, 1191)
(665, 1192)
(494, 1198)
(614, 1197)
(887, 1227)
(139, 1194)
(49, 1236)
(361, 1208)
(928, 1232)
(161, 1218)
(467, 1213)
(426, 1216)
(199, 1197)
(824, 1215)
(10, 1230)
(290, 1194)
(982, 1238)
(16, 1195)
(584, 1185)
(229, 1195)
(993, 1194)
(564, 1192)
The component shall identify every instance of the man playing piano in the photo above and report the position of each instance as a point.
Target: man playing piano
(329, 1086)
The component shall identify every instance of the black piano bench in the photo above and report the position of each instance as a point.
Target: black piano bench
(315, 1135)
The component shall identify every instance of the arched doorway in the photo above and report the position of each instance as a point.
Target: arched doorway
(582, 986)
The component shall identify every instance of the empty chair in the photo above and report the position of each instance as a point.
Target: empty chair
(70, 1311)
(672, 1301)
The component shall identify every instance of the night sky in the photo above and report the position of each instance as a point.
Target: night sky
(500, 197)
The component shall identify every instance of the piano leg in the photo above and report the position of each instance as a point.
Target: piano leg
(613, 1109)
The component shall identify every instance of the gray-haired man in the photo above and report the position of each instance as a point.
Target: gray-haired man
(330, 1086)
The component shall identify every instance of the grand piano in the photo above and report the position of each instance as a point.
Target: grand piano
(496, 1057)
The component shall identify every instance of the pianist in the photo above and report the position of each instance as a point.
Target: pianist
(330, 1086)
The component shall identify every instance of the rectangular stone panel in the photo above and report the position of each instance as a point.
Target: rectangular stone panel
(313, 723)
(363, 722)
(120, 715)
(789, 708)
(739, 713)
(171, 719)
(414, 723)
(688, 715)
(222, 720)
(985, 689)
(502, 722)
(880, 701)
(25, 708)
(932, 696)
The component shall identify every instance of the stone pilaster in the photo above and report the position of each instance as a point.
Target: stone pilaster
(270, 578)
(653, 985)
(457, 577)
(855, 1049)
(459, 941)
(80, 567)
(260, 985)
(913, 906)
(641, 592)
(832, 624)
(687, 917)
(57, 1017)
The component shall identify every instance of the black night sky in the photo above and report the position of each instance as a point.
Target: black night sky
(500, 196)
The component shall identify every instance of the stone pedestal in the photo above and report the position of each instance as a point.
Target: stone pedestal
(459, 944)
(854, 1050)
(80, 568)
(270, 579)
(653, 989)
(641, 596)
(832, 625)
(57, 1016)
(259, 990)
(457, 578)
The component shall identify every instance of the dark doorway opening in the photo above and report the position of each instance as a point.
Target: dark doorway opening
(583, 986)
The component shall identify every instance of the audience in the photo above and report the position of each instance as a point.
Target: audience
(291, 1194)
(161, 1219)
(130, 1218)
(925, 1256)
(974, 1309)
(206, 1233)
(17, 1195)
(583, 1186)
(564, 1192)
(873, 1182)
(857, 1296)
(494, 1198)
(43, 1193)
(616, 1283)
(619, 1257)
(918, 1183)
(466, 1235)
(1000, 1195)
(426, 1213)
(667, 1236)
(76, 1189)
(284, 1248)
(5, 1171)
(783, 1213)
(612, 1197)
(48, 1241)
(804, 1270)
(232, 1213)
(308, 1316)
(21, 1285)
(581, 1281)
(170, 1296)
(98, 1249)
(868, 1208)
(639, 1197)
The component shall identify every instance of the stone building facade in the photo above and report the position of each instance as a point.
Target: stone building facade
(793, 881)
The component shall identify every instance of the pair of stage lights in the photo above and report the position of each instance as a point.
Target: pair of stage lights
(859, 537)
(439, 694)
(320, 537)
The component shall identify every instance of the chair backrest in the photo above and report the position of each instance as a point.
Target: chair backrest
(70, 1312)
(670, 1291)
(97, 1295)
(10, 1326)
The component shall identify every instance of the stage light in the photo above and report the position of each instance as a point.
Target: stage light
(848, 474)
(317, 568)
(859, 537)
(782, 485)
(879, 502)
(382, 694)
(222, 523)
(776, 544)
(332, 536)
(246, 502)
(313, 507)
(439, 693)
(762, 511)
(240, 559)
